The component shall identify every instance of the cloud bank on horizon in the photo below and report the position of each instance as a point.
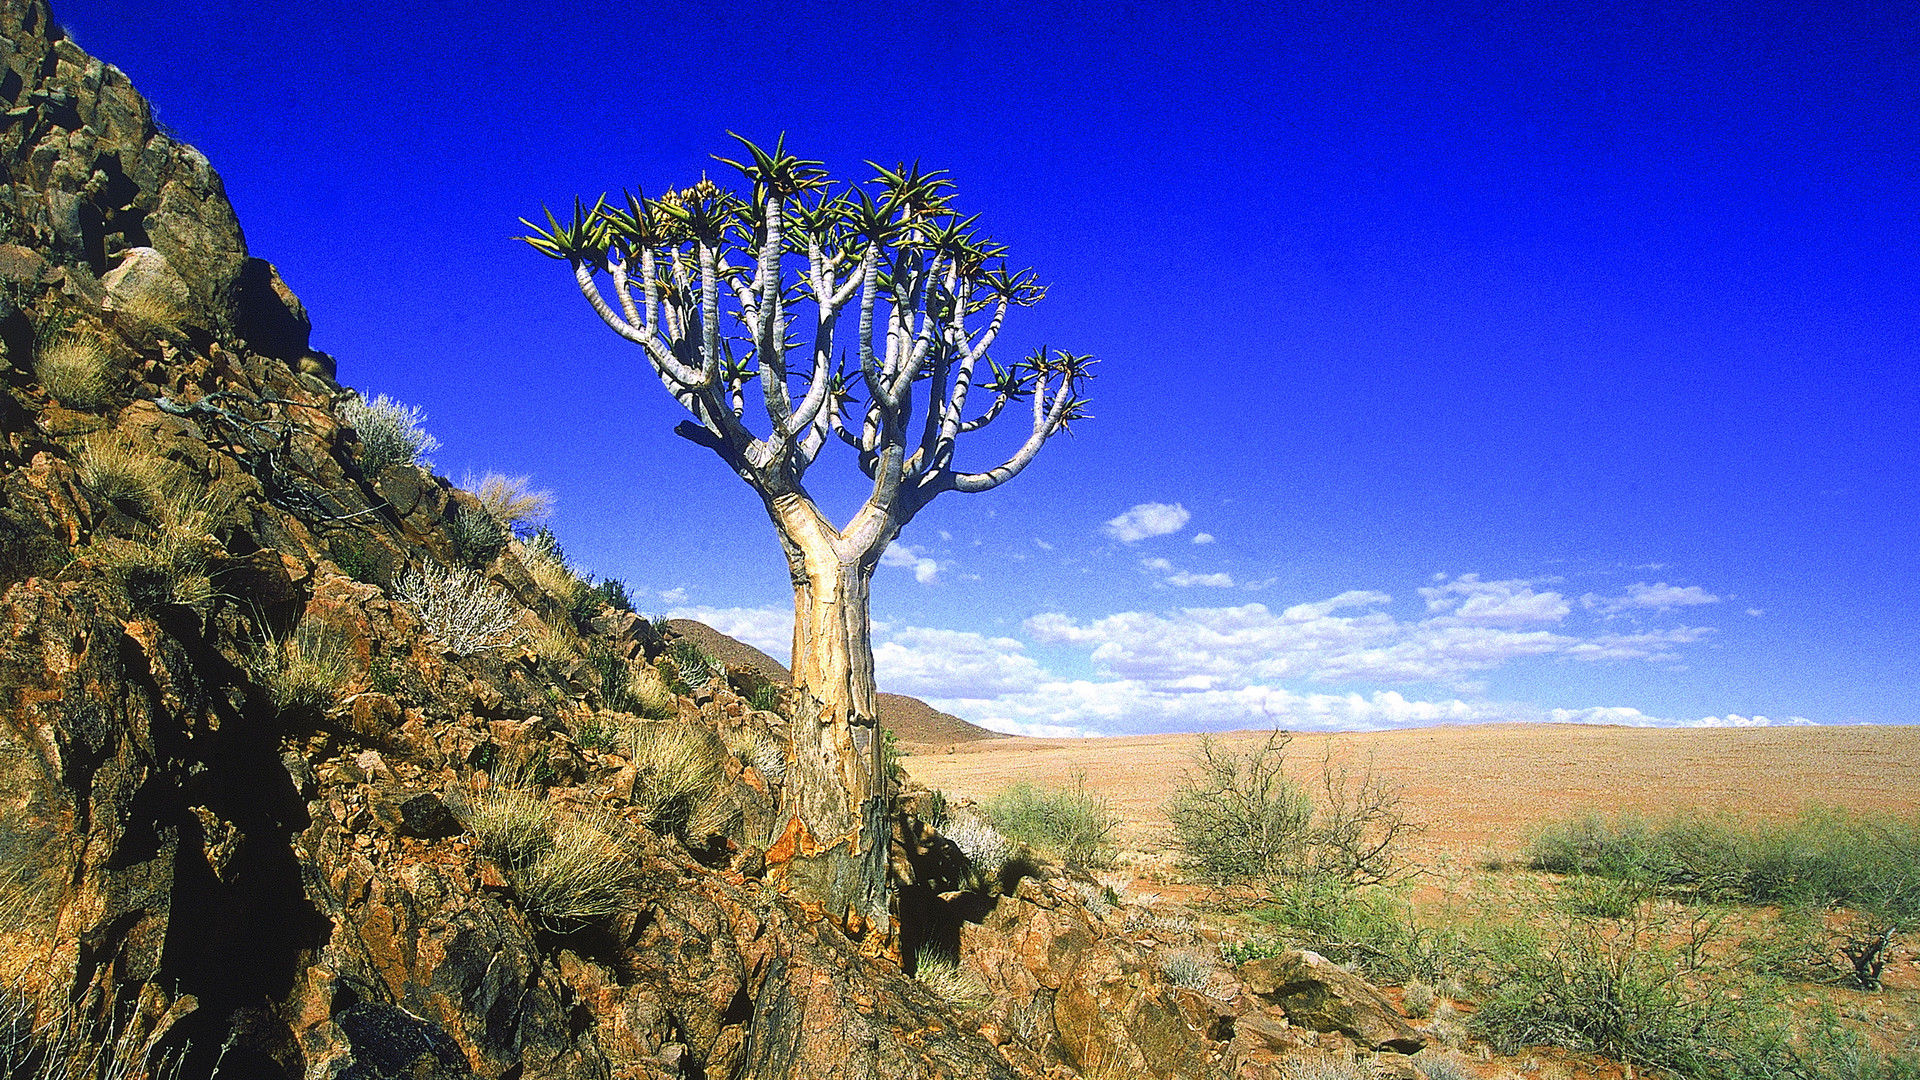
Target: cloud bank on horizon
(1344, 662)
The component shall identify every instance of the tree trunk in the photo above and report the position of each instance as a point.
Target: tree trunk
(835, 844)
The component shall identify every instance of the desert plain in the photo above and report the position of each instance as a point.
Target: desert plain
(1480, 790)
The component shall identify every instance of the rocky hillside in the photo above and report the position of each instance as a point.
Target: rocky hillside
(313, 765)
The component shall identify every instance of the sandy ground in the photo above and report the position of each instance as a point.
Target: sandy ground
(1481, 789)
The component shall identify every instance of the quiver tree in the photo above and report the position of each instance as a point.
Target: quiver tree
(717, 288)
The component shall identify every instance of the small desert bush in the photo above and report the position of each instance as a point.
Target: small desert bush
(1237, 817)
(987, 849)
(1824, 856)
(464, 610)
(1187, 968)
(941, 972)
(677, 767)
(1323, 1065)
(1071, 823)
(390, 433)
(509, 502)
(306, 671)
(1442, 1067)
(77, 372)
(1418, 1000)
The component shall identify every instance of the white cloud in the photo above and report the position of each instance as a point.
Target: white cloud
(1467, 599)
(1734, 720)
(1147, 519)
(768, 629)
(1346, 639)
(1042, 544)
(946, 663)
(926, 571)
(1641, 596)
(1203, 538)
(1186, 579)
(1183, 579)
(673, 596)
(1755, 612)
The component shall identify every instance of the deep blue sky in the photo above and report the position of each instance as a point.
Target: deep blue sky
(1606, 313)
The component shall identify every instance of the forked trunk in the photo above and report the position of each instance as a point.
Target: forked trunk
(835, 844)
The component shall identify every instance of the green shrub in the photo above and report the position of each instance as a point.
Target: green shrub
(1825, 858)
(390, 433)
(586, 604)
(476, 535)
(764, 697)
(355, 558)
(1237, 817)
(1631, 988)
(693, 666)
(1373, 929)
(1072, 824)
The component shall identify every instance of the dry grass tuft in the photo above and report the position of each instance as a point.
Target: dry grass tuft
(113, 468)
(309, 670)
(510, 502)
(548, 570)
(941, 972)
(585, 873)
(554, 646)
(510, 825)
(151, 314)
(678, 765)
(564, 872)
(78, 373)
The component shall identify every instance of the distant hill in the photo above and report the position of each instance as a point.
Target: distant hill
(912, 720)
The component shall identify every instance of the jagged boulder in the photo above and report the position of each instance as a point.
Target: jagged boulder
(1317, 994)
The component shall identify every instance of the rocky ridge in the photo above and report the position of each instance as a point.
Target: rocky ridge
(246, 771)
